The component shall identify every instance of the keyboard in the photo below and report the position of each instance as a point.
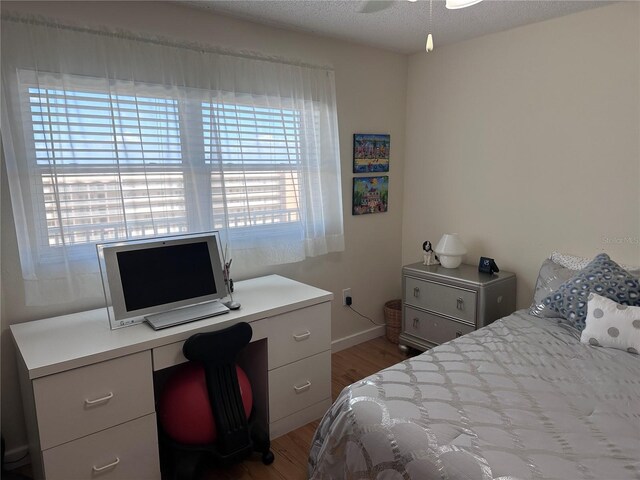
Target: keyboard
(158, 321)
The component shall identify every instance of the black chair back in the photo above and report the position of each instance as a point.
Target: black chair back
(218, 352)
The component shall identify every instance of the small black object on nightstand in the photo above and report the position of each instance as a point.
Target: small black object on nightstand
(488, 265)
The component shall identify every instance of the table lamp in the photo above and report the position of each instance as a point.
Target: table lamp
(450, 250)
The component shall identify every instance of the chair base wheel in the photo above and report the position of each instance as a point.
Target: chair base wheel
(267, 457)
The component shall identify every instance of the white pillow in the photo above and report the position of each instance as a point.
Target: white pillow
(578, 263)
(610, 324)
(569, 261)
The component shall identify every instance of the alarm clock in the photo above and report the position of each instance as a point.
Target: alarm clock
(488, 265)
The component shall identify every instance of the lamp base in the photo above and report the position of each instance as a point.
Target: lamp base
(450, 261)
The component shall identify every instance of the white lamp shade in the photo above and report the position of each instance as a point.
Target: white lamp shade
(455, 4)
(450, 250)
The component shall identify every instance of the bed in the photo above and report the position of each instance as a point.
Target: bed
(522, 398)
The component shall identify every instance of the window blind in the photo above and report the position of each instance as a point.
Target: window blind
(108, 166)
(254, 154)
(111, 166)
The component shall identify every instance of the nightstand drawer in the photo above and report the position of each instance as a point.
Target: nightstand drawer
(84, 400)
(445, 299)
(128, 451)
(433, 328)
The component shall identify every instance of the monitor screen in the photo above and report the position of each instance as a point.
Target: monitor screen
(166, 274)
(150, 276)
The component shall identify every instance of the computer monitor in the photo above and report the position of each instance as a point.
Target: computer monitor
(145, 277)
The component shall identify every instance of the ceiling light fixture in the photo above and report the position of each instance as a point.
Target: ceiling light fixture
(456, 4)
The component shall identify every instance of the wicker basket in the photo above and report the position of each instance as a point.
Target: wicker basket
(393, 318)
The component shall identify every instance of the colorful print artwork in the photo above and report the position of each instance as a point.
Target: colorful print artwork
(371, 152)
(370, 195)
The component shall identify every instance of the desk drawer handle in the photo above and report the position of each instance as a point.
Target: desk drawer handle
(302, 388)
(106, 398)
(302, 336)
(416, 292)
(460, 303)
(105, 467)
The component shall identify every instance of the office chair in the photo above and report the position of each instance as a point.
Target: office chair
(237, 437)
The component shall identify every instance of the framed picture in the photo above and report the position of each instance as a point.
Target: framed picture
(370, 194)
(371, 152)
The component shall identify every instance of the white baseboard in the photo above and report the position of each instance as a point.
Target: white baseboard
(16, 457)
(356, 338)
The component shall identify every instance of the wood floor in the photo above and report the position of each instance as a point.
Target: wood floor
(292, 450)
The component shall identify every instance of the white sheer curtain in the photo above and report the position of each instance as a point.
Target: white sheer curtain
(109, 136)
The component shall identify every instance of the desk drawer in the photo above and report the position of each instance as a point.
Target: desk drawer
(433, 328)
(297, 334)
(299, 385)
(292, 336)
(445, 299)
(82, 401)
(128, 451)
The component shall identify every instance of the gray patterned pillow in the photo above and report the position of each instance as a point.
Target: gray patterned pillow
(602, 276)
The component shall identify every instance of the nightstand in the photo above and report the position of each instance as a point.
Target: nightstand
(440, 304)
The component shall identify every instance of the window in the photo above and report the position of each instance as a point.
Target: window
(113, 166)
(113, 136)
(254, 154)
(109, 166)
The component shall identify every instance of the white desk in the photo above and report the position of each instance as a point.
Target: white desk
(88, 391)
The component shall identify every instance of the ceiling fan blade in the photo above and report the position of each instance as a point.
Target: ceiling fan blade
(372, 6)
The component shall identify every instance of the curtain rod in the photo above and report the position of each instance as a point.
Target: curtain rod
(43, 21)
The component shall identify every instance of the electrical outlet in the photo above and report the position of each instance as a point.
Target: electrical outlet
(346, 293)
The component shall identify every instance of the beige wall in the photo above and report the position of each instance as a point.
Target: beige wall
(528, 141)
(370, 265)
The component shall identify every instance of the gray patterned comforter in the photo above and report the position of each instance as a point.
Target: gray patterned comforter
(519, 399)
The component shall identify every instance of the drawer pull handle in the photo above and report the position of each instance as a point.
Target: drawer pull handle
(415, 322)
(416, 292)
(105, 467)
(106, 398)
(302, 336)
(460, 303)
(302, 388)
(458, 334)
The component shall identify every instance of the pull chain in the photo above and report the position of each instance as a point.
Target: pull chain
(429, 45)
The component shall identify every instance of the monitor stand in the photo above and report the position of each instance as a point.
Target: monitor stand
(188, 314)
(231, 305)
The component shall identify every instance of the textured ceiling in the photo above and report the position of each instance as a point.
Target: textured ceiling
(397, 25)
